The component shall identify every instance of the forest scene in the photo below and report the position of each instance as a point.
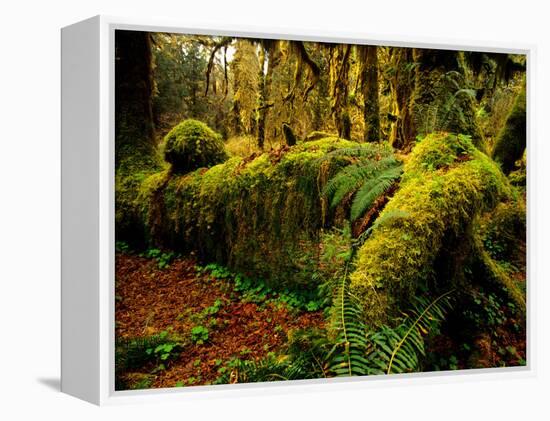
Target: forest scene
(292, 210)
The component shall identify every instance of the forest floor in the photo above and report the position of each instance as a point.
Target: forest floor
(150, 300)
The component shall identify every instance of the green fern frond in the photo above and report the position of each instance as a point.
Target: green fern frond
(372, 189)
(398, 350)
(349, 354)
(352, 178)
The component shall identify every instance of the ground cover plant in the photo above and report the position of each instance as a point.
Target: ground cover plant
(294, 210)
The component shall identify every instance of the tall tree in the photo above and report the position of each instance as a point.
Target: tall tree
(339, 86)
(134, 127)
(400, 75)
(269, 58)
(368, 61)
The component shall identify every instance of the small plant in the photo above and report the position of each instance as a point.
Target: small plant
(257, 291)
(164, 259)
(199, 335)
(122, 247)
(214, 308)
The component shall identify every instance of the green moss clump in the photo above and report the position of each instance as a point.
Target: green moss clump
(191, 145)
(447, 182)
(512, 139)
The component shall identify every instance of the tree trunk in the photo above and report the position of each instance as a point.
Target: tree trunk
(401, 85)
(134, 127)
(369, 83)
(339, 70)
(267, 58)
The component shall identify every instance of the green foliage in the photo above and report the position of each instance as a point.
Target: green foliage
(358, 351)
(348, 358)
(191, 145)
(122, 247)
(199, 335)
(400, 349)
(133, 353)
(512, 139)
(163, 258)
(258, 291)
(303, 358)
(504, 231)
(365, 180)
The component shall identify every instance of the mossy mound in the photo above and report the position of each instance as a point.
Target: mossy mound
(191, 145)
(260, 215)
(512, 139)
(447, 184)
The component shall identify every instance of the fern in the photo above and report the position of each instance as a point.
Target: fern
(388, 350)
(367, 180)
(348, 356)
(398, 350)
(372, 189)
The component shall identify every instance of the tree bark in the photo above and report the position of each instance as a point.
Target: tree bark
(369, 81)
(267, 58)
(134, 127)
(401, 84)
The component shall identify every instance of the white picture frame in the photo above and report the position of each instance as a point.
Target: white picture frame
(88, 214)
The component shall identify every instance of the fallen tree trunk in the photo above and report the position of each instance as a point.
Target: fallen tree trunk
(447, 184)
(261, 215)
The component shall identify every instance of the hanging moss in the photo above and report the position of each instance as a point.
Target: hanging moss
(447, 182)
(512, 139)
(259, 215)
(191, 145)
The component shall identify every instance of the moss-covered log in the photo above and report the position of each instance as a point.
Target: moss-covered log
(259, 215)
(447, 184)
(512, 139)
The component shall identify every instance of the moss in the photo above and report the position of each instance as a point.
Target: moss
(191, 145)
(260, 215)
(446, 184)
(316, 135)
(132, 171)
(503, 232)
(511, 141)
(495, 276)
